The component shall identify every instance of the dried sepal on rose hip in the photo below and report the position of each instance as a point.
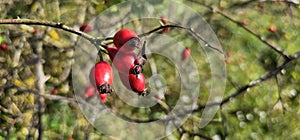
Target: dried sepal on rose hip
(136, 83)
(126, 40)
(101, 77)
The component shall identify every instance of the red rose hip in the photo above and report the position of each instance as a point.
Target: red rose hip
(112, 51)
(126, 40)
(163, 20)
(4, 47)
(54, 91)
(136, 83)
(272, 28)
(127, 63)
(101, 76)
(186, 54)
(89, 91)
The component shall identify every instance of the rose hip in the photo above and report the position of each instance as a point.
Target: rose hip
(136, 83)
(126, 40)
(101, 77)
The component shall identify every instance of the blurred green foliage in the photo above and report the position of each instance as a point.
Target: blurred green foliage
(267, 111)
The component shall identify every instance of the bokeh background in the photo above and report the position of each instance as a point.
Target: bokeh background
(257, 37)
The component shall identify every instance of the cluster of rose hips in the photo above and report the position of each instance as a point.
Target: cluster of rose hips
(128, 64)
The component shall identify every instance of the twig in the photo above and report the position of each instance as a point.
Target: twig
(262, 39)
(91, 39)
(239, 91)
(41, 79)
(36, 92)
(257, 81)
(253, 83)
(248, 29)
(58, 25)
(246, 3)
(242, 89)
(185, 28)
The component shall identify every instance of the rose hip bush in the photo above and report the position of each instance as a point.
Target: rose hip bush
(259, 38)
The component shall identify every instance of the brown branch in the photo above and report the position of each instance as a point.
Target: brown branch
(40, 85)
(241, 90)
(58, 25)
(36, 92)
(248, 29)
(262, 78)
(253, 83)
(93, 40)
(246, 3)
(48, 96)
(191, 30)
(251, 31)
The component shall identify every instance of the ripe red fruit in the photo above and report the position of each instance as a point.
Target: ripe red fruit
(89, 91)
(101, 77)
(54, 91)
(126, 40)
(35, 32)
(127, 63)
(244, 22)
(86, 28)
(136, 83)
(163, 19)
(272, 29)
(4, 47)
(112, 51)
(185, 54)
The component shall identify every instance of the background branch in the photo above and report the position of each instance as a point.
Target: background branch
(248, 29)
(58, 25)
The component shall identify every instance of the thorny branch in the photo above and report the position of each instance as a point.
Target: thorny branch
(97, 42)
